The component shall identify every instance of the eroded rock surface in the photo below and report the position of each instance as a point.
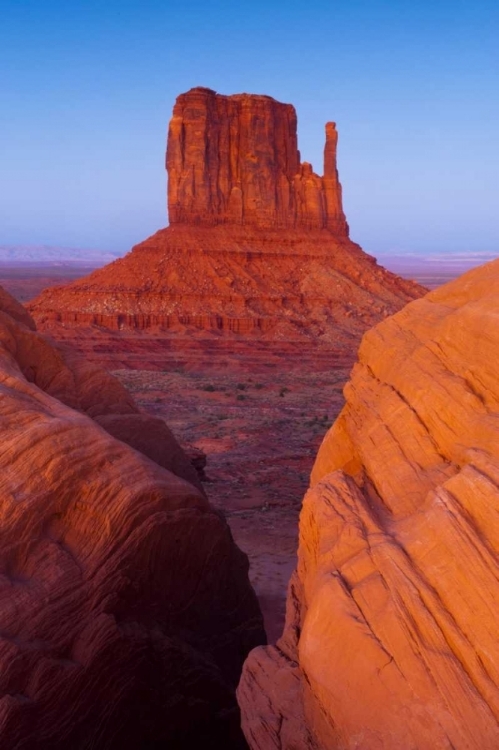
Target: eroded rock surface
(392, 632)
(255, 284)
(125, 606)
(235, 159)
(257, 245)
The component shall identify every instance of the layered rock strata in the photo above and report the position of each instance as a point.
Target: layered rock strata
(392, 636)
(125, 606)
(257, 244)
(251, 283)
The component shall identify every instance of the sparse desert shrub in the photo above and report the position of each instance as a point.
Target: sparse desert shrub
(240, 397)
(210, 388)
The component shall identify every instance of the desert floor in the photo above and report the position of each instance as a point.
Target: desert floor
(260, 435)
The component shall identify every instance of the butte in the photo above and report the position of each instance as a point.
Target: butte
(257, 255)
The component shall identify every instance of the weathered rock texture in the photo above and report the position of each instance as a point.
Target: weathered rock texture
(235, 159)
(257, 244)
(125, 607)
(392, 633)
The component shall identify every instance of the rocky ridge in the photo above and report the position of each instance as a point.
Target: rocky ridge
(126, 610)
(391, 637)
(257, 244)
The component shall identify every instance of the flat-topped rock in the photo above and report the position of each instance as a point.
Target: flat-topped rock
(235, 159)
(257, 245)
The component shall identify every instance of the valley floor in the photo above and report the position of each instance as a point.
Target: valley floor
(260, 434)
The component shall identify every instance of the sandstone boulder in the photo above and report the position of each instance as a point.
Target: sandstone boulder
(125, 606)
(392, 630)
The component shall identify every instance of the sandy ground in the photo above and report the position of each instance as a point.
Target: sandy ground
(260, 435)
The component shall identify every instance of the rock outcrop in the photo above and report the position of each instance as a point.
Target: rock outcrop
(257, 244)
(125, 606)
(392, 635)
(235, 159)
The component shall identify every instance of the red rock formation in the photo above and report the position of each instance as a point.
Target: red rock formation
(125, 606)
(10, 306)
(258, 243)
(256, 283)
(392, 636)
(235, 159)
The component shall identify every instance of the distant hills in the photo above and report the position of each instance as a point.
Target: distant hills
(443, 262)
(50, 255)
(433, 270)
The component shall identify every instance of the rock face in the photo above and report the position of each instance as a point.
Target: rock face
(257, 244)
(125, 606)
(392, 635)
(235, 159)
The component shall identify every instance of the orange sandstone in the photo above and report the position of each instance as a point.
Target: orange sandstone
(392, 635)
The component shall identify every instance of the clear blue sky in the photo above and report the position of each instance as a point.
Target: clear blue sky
(87, 88)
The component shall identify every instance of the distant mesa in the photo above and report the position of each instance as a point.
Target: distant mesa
(258, 244)
(51, 255)
(392, 635)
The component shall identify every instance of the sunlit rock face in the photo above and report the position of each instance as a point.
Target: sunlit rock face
(235, 159)
(125, 606)
(392, 634)
(257, 246)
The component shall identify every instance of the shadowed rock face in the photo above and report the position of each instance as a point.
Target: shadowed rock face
(257, 244)
(125, 606)
(392, 635)
(235, 159)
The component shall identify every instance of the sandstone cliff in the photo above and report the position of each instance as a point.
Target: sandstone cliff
(392, 635)
(235, 159)
(125, 606)
(257, 243)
